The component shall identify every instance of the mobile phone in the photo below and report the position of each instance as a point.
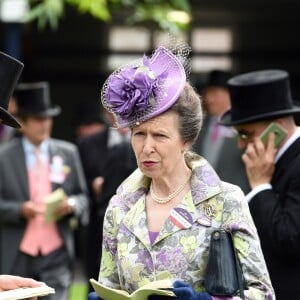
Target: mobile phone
(280, 134)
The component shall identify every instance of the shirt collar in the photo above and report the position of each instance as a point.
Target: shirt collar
(288, 143)
(29, 147)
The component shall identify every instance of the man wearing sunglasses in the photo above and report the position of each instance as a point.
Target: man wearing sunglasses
(262, 112)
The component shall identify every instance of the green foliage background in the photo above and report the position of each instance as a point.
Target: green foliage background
(49, 12)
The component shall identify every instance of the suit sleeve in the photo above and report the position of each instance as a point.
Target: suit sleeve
(11, 196)
(10, 211)
(276, 214)
(78, 191)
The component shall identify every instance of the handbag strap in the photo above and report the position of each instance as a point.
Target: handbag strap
(238, 271)
(241, 282)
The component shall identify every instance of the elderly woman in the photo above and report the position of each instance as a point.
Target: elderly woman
(162, 216)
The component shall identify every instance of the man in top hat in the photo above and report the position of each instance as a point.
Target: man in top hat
(258, 99)
(107, 159)
(10, 71)
(34, 243)
(88, 119)
(215, 142)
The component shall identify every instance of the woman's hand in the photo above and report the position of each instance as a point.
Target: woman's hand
(158, 297)
(93, 296)
(185, 292)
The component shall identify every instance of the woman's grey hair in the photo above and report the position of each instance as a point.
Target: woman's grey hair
(188, 108)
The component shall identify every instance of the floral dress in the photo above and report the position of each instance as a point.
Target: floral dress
(129, 260)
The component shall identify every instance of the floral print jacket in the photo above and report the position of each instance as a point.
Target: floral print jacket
(182, 246)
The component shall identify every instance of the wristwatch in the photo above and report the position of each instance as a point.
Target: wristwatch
(71, 202)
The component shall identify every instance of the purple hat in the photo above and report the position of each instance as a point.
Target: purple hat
(143, 90)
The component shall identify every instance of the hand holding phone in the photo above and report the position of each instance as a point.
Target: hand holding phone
(279, 132)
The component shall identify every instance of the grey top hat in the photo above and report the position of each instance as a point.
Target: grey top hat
(33, 99)
(10, 71)
(258, 96)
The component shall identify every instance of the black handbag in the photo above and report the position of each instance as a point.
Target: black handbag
(223, 276)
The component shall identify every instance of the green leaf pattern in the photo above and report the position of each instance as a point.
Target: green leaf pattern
(130, 261)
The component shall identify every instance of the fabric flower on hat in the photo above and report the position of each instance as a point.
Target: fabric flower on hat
(133, 89)
(144, 89)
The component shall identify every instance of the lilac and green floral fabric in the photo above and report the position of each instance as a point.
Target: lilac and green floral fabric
(129, 260)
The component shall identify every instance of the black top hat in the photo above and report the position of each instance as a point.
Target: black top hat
(217, 78)
(10, 71)
(33, 99)
(258, 96)
(88, 113)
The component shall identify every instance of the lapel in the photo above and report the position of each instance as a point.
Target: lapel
(284, 163)
(19, 166)
(194, 208)
(136, 222)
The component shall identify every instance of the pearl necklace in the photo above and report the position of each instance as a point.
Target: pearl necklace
(164, 200)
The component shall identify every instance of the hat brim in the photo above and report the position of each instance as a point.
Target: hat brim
(8, 119)
(226, 118)
(175, 82)
(51, 112)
